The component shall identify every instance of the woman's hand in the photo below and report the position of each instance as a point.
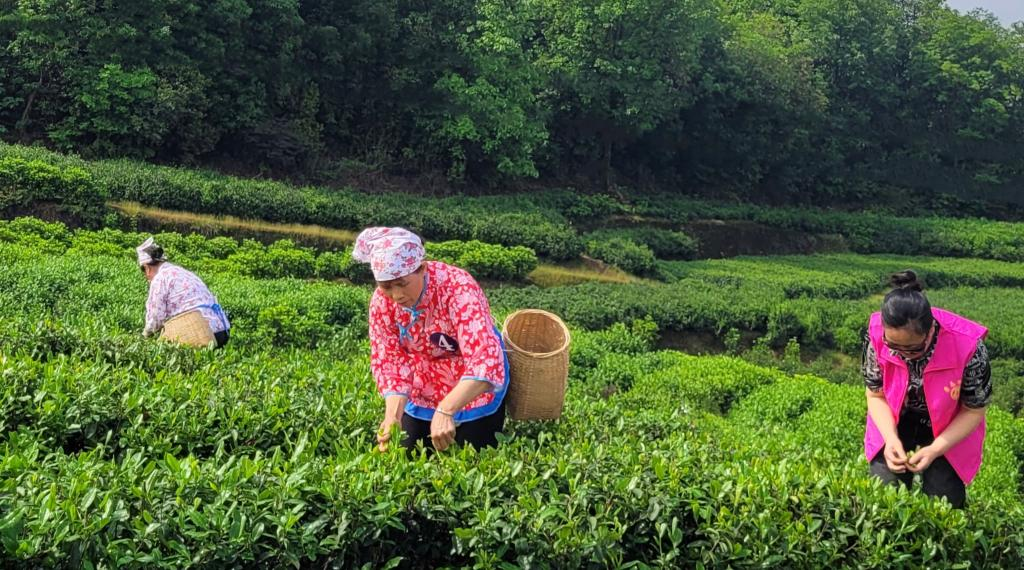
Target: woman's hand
(442, 430)
(881, 414)
(442, 427)
(384, 431)
(923, 458)
(394, 406)
(896, 457)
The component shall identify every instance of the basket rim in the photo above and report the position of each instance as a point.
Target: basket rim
(184, 314)
(557, 319)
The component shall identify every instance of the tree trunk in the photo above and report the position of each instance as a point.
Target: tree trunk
(27, 112)
(606, 165)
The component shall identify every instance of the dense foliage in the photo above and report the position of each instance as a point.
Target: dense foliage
(807, 97)
(663, 243)
(25, 184)
(485, 260)
(122, 452)
(251, 258)
(547, 222)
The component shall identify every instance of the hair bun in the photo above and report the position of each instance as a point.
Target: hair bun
(155, 251)
(906, 280)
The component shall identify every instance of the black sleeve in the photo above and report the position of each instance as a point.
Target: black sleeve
(976, 388)
(869, 366)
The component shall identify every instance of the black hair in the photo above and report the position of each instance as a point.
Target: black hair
(907, 304)
(155, 252)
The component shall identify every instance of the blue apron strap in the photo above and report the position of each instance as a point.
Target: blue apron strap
(405, 332)
(217, 310)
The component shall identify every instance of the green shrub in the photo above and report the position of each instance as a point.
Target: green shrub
(335, 264)
(48, 231)
(624, 254)
(289, 260)
(121, 451)
(37, 234)
(508, 221)
(1008, 385)
(283, 325)
(588, 347)
(485, 260)
(26, 182)
(583, 207)
(533, 231)
(666, 244)
(864, 232)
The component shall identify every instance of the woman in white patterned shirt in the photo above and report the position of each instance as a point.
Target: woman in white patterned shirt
(174, 290)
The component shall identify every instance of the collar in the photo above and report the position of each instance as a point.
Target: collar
(415, 311)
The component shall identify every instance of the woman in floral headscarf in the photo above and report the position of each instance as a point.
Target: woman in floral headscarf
(175, 291)
(436, 354)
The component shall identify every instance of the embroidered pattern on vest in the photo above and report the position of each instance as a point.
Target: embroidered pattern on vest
(953, 389)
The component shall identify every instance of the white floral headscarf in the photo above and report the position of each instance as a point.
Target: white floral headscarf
(391, 252)
(149, 252)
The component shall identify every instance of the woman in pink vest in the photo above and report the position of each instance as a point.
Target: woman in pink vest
(928, 383)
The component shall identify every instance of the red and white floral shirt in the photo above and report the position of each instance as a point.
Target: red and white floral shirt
(452, 338)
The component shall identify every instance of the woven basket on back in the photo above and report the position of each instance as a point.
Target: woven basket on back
(538, 352)
(189, 328)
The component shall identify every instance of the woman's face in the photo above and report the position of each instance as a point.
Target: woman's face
(405, 290)
(149, 271)
(907, 341)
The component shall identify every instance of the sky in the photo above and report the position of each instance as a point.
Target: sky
(1008, 11)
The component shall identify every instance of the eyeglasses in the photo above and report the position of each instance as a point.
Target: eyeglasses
(907, 349)
(911, 349)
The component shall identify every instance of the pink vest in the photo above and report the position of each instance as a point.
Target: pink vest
(957, 342)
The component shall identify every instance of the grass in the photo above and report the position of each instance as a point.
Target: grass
(550, 275)
(306, 233)
(546, 274)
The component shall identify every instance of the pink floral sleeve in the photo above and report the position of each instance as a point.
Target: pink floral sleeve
(471, 313)
(156, 306)
(391, 366)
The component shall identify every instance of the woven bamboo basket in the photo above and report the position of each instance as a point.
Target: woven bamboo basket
(538, 352)
(189, 328)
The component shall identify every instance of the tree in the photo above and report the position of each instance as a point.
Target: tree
(492, 112)
(619, 68)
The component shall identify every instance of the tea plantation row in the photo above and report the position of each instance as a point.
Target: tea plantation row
(122, 452)
(547, 222)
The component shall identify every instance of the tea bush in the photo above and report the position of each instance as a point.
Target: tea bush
(282, 258)
(863, 232)
(665, 244)
(996, 307)
(822, 301)
(624, 254)
(484, 260)
(542, 221)
(504, 220)
(1008, 378)
(118, 451)
(24, 183)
